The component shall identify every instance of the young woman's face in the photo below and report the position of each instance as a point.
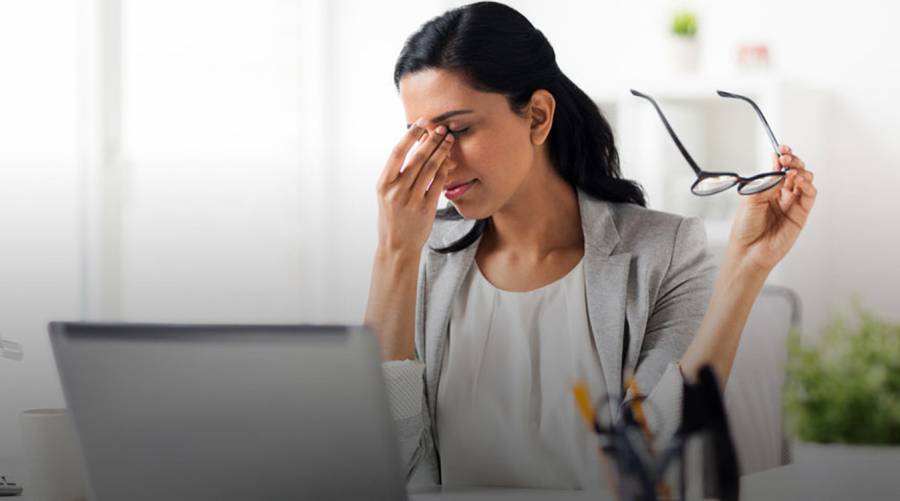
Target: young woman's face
(493, 144)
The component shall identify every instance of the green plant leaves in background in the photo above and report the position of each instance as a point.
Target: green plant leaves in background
(684, 24)
(846, 388)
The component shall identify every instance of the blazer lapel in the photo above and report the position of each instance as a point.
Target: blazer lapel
(444, 277)
(606, 280)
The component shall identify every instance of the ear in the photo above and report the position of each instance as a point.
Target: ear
(541, 110)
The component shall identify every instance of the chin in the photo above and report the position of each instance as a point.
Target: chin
(468, 210)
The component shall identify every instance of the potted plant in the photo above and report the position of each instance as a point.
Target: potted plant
(684, 54)
(842, 393)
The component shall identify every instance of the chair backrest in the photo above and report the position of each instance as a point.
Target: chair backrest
(753, 395)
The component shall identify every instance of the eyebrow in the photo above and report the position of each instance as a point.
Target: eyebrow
(445, 116)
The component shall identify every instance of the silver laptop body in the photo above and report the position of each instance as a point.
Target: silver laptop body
(229, 412)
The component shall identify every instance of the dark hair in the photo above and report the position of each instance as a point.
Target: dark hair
(496, 49)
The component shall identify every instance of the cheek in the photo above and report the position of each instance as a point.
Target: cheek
(475, 154)
(493, 159)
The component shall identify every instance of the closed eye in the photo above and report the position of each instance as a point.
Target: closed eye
(458, 131)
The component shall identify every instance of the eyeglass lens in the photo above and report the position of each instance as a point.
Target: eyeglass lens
(759, 184)
(714, 184)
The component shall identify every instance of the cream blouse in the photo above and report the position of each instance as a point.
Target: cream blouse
(506, 415)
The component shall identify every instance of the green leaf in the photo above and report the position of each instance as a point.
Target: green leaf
(684, 24)
(846, 387)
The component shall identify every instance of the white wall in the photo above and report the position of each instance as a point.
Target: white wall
(267, 211)
(39, 199)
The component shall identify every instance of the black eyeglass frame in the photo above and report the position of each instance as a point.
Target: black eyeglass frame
(702, 175)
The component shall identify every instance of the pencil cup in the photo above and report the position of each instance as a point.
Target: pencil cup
(54, 467)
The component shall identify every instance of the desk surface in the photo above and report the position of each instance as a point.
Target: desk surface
(870, 477)
(505, 494)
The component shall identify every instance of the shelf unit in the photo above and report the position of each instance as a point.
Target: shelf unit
(721, 134)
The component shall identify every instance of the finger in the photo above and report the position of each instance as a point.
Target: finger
(791, 161)
(803, 195)
(426, 175)
(808, 194)
(803, 203)
(797, 215)
(776, 162)
(401, 149)
(801, 172)
(434, 191)
(787, 197)
(418, 159)
(788, 191)
(784, 160)
(416, 147)
(790, 180)
(796, 207)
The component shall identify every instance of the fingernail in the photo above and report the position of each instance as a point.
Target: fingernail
(449, 137)
(440, 129)
(421, 122)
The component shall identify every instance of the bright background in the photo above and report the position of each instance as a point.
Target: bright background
(215, 160)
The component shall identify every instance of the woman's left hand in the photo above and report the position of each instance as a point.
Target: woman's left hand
(768, 223)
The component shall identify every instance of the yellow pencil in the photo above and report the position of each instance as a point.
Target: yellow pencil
(583, 400)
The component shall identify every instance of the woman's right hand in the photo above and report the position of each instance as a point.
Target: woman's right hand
(407, 199)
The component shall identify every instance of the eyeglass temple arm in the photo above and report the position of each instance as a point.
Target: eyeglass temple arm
(681, 148)
(759, 113)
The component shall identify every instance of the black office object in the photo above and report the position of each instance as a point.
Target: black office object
(646, 475)
(703, 412)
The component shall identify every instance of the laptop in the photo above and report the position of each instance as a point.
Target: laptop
(229, 412)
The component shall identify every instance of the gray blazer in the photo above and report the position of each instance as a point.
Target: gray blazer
(648, 281)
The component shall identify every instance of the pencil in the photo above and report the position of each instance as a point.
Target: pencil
(583, 400)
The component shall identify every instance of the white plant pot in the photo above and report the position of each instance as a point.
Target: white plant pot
(843, 454)
(684, 54)
(870, 471)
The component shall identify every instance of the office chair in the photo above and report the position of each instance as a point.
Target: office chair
(753, 395)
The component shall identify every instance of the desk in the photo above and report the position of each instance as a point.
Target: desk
(505, 494)
(876, 477)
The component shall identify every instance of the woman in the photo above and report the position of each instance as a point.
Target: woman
(546, 268)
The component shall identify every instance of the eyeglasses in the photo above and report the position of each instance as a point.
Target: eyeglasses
(710, 183)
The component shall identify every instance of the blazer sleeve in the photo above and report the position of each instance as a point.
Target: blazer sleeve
(680, 305)
(405, 382)
(405, 388)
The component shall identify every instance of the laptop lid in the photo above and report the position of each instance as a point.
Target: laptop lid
(229, 412)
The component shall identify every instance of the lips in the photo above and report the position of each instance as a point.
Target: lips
(453, 186)
(456, 190)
